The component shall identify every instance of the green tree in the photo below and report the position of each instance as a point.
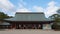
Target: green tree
(55, 17)
(3, 16)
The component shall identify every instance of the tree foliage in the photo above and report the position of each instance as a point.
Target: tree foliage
(55, 17)
(3, 16)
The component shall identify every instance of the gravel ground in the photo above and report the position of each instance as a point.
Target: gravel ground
(28, 31)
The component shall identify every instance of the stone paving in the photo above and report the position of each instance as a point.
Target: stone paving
(28, 31)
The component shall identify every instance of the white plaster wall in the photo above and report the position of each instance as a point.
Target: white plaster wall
(46, 26)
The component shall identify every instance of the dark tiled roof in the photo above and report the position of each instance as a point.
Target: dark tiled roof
(29, 16)
(29, 13)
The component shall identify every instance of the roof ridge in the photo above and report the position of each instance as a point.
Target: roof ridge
(29, 12)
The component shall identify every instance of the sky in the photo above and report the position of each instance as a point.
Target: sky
(10, 7)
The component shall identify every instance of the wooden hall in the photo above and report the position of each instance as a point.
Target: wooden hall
(29, 20)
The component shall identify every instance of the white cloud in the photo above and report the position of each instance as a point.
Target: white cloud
(23, 10)
(52, 3)
(38, 8)
(21, 7)
(6, 4)
(49, 10)
(21, 4)
(7, 7)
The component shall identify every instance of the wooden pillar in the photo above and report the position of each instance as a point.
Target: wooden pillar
(13, 25)
(41, 26)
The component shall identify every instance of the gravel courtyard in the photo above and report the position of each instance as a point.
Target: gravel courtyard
(28, 31)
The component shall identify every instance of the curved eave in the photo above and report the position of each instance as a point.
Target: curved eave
(37, 22)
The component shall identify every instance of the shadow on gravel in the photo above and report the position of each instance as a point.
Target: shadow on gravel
(2, 29)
